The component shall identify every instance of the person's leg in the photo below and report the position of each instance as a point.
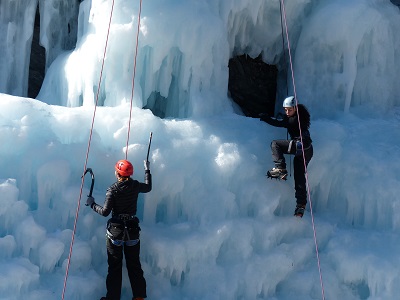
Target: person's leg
(278, 148)
(114, 276)
(135, 272)
(300, 184)
(300, 181)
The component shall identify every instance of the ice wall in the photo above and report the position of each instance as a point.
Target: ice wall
(344, 52)
(58, 19)
(177, 64)
(16, 28)
(348, 52)
(59, 26)
(211, 207)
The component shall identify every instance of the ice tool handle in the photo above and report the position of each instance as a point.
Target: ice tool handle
(148, 149)
(92, 184)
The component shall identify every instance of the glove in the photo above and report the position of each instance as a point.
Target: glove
(146, 165)
(89, 201)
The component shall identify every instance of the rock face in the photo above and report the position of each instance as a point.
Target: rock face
(395, 2)
(65, 19)
(252, 85)
(37, 61)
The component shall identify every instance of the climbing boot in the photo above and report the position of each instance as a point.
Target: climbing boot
(299, 211)
(277, 173)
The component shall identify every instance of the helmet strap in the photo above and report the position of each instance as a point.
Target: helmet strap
(122, 178)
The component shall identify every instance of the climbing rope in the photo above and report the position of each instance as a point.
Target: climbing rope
(283, 47)
(87, 157)
(91, 132)
(285, 63)
(133, 80)
(283, 12)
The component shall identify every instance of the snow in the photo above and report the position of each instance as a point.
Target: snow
(213, 227)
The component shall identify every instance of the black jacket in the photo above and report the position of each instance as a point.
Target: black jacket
(292, 125)
(121, 197)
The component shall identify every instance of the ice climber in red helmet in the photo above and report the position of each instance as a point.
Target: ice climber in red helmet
(123, 229)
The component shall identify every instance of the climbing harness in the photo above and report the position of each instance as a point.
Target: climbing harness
(283, 17)
(299, 147)
(123, 230)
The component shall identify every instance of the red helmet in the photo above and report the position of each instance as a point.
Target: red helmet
(124, 168)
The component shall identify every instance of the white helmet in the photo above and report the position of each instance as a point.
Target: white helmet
(289, 102)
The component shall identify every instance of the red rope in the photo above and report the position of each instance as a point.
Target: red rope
(304, 160)
(133, 80)
(87, 157)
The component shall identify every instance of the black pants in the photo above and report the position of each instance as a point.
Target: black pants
(135, 272)
(281, 147)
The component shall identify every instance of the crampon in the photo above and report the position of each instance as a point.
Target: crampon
(277, 174)
(299, 211)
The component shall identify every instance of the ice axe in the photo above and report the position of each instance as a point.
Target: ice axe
(148, 149)
(92, 185)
